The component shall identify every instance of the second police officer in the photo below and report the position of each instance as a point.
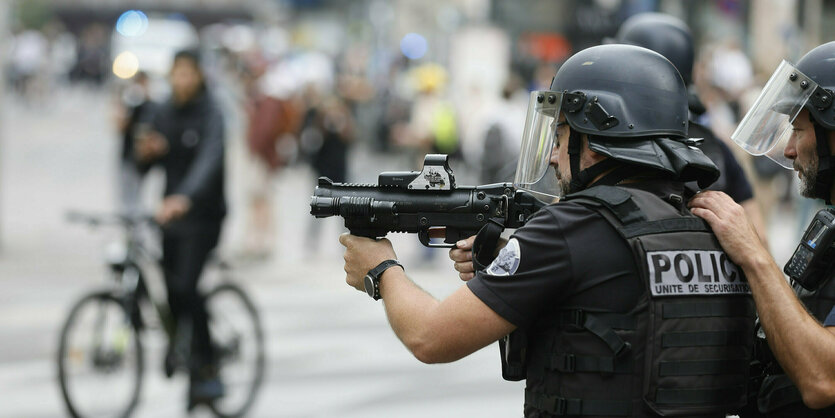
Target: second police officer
(793, 123)
(618, 301)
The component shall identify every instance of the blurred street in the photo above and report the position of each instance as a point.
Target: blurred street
(330, 350)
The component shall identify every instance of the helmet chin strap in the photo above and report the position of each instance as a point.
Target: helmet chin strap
(581, 179)
(826, 165)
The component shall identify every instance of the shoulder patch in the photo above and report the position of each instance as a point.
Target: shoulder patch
(507, 262)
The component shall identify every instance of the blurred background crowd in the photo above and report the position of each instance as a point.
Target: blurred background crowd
(314, 82)
(343, 89)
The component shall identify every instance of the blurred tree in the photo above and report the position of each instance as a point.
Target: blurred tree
(32, 13)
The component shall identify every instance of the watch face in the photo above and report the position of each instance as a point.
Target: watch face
(369, 285)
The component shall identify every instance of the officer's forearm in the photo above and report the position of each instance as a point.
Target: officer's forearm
(439, 331)
(804, 349)
(409, 310)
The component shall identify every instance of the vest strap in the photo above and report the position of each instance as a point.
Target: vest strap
(577, 317)
(704, 309)
(564, 406)
(702, 339)
(664, 226)
(717, 396)
(600, 329)
(570, 363)
(701, 367)
(617, 200)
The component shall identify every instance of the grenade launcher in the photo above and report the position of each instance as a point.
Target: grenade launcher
(426, 202)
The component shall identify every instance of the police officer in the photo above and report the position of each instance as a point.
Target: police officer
(614, 301)
(670, 37)
(793, 123)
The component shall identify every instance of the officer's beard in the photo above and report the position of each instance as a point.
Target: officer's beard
(564, 183)
(808, 177)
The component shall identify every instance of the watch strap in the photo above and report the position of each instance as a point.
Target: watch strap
(374, 276)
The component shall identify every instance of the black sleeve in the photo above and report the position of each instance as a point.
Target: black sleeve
(738, 187)
(529, 274)
(208, 164)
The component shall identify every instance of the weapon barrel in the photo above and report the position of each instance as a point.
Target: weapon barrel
(349, 206)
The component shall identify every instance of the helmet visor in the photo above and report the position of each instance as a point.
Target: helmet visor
(766, 128)
(537, 144)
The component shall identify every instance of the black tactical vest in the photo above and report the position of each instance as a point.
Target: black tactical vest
(683, 350)
(778, 396)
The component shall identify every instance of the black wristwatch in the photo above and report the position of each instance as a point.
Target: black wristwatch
(372, 279)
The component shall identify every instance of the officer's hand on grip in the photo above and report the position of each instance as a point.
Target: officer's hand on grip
(462, 255)
(363, 254)
(728, 221)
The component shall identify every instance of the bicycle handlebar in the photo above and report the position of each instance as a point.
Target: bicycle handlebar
(99, 219)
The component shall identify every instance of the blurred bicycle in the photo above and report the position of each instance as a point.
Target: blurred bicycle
(100, 357)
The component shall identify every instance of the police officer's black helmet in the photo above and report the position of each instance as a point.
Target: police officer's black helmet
(819, 65)
(627, 91)
(632, 104)
(664, 34)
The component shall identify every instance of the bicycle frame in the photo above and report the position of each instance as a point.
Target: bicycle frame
(131, 271)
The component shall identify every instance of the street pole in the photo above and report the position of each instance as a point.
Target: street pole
(4, 36)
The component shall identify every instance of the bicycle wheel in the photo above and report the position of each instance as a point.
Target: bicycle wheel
(237, 336)
(100, 358)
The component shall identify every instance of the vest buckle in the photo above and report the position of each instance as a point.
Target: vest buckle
(560, 406)
(577, 318)
(568, 363)
(626, 346)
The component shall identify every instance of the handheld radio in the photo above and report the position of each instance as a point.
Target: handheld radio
(813, 260)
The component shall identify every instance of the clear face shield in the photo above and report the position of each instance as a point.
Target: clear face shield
(534, 172)
(766, 128)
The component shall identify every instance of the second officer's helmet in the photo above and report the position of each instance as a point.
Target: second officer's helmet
(819, 65)
(630, 102)
(664, 34)
(766, 128)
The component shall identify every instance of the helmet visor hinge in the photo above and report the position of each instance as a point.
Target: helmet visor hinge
(572, 102)
(598, 116)
(821, 98)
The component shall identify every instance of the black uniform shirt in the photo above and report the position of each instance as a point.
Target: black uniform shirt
(566, 251)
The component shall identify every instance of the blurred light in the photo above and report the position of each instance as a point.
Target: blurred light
(413, 46)
(125, 65)
(132, 23)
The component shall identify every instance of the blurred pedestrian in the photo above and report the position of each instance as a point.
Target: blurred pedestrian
(273, 117)
(135, 111)
(187, 140)
(505, 125)
(327, 132)
(91, 61)
(28, 63)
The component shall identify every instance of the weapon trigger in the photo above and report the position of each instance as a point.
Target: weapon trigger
(423, 236)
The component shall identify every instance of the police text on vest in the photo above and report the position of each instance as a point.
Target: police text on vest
(694, 272)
